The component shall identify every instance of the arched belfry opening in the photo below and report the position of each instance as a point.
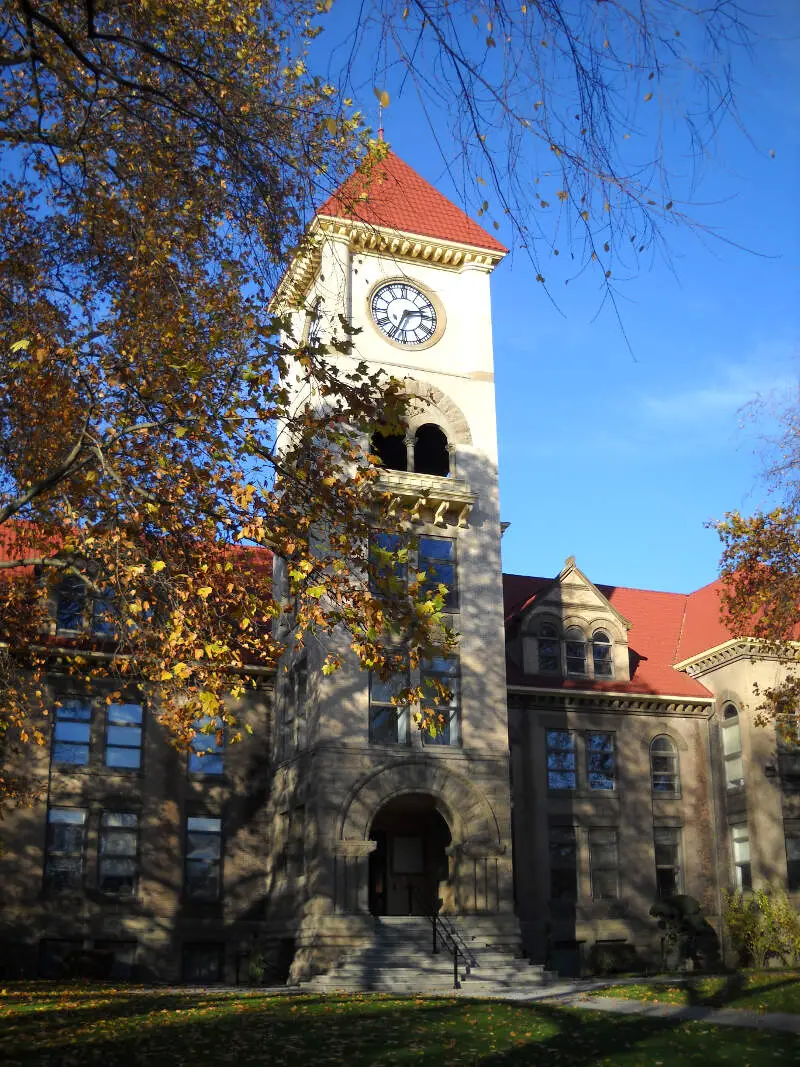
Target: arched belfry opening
(408, 869)
(431, 452)
(390, 448)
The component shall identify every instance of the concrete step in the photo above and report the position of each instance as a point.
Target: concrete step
(400, 960)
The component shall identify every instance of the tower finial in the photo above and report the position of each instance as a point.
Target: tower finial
(380, 121)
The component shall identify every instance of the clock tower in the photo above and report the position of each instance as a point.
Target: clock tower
(377, 819)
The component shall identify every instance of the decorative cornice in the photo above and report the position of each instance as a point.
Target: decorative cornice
(380, 240)
(524, 698)
(427, 493)
(738, 648)
(367, 237)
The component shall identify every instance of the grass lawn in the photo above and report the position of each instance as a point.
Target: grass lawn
(87, 1025)
(762, 991)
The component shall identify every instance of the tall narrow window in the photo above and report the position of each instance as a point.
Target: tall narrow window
(124, 736)
(575, 648)
(549, 650)
(444, 710)
(732, 747)
(208, 744)
(119, 841)
(563, 863)
(70, 604)
(66, 841)
(793, 861)
(604, 864)
(667, 847)
(664, 774)
(561, 763)
(388, 722)
(602, 655)
(203, 858)
(103, 615)
(601, 762)
(436, 557)
(71, 732)
(388, 564)
(740, 844)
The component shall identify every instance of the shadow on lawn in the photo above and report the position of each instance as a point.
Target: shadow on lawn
(162, 1030)
(735, 989)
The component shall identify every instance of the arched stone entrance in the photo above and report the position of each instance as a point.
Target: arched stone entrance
(408, 868)
(478, 878)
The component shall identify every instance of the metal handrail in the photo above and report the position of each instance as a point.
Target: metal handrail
(446, 934)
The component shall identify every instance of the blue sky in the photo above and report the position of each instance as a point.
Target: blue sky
(622, 457)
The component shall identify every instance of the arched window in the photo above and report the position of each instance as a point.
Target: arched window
(601, 655)
(732, 747)
(431, 455)
(391, 450)
(575, 647)
(664, 771)
(549, 651)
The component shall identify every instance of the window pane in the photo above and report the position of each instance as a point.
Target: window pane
(561, 766)
(731, 739)
(576, 657)
(129, 736)
(666, 882)
(382, 691)
(128, 758)
(72, 731)
(734, 771)
(125, 714)
(71, 601)
(79, 710)
(383, 726)
(207, 764)
(206, 756)
(120, 819)
(600, 760)
(563, 863)
(203, 846)
(437, 548)
(76, 816)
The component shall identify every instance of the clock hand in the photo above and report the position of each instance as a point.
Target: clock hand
(400, 324)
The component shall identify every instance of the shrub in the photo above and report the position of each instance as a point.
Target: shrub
(763, 926)
(687, 933)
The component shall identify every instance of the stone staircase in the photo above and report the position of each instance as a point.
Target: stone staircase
(399, 959)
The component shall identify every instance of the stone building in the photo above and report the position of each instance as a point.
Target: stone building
(599, 751)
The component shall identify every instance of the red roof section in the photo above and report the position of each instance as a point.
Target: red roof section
(702, 626)
(389, 193)
(665, 629)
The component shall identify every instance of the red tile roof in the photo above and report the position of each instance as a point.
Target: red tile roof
(665, 629)
(389, 193)
(702, 626)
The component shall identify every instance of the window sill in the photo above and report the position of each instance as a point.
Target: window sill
(583, 794)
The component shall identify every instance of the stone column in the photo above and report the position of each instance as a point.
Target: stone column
(351, 858)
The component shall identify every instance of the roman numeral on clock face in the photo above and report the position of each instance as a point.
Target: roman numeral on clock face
(403, 313)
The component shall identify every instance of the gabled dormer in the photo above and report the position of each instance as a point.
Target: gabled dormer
(569, 629)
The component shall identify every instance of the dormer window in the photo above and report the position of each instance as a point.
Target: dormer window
(549, 650)
(575, 651)
(602, 657)
(70, 604)
(569, 652)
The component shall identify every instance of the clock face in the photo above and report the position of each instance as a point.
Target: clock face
(404, 313)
